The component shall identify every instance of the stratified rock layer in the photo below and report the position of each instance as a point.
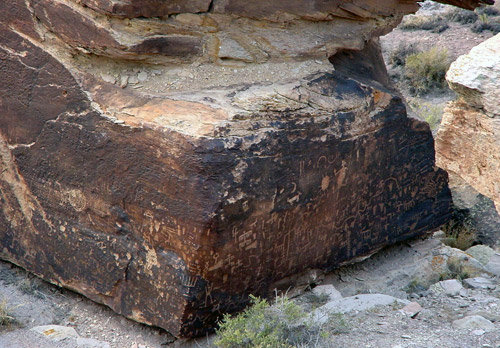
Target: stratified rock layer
(170, 196)
(468, 142)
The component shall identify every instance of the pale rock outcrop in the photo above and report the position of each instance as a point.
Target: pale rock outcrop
(468, 141)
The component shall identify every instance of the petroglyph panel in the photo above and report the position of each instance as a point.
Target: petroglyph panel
(172, 207)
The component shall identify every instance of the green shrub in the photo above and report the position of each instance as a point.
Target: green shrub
(281, 325)
(399, 55)
(431, 113)
(462, 16)
(6, 318)
(488, 10)
(460, 232)
(435, 24)
(426, 70)
(481, 26)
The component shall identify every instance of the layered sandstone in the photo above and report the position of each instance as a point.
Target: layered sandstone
(168, 159)
(468, 142)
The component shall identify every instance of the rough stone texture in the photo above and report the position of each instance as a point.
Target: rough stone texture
(171, 201)
(468, 142)
(475, 76)
(450, 287)
(362, 302)
(475, 212)
(474, 322)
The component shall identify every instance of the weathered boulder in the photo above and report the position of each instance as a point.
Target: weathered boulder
(468, 142)
(170, 192)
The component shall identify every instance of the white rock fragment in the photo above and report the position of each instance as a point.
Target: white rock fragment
(476, 76)
(123, 81)
(474, 322)
(328, 290)
(480, 283)
(142, 76)
(108, 78)
(354, 303)
(56, 332)
(133, 80)
(451, 287)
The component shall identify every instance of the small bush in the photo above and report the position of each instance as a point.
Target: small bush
(460, 232)
(282, 325)
(6, 318)
(481, 26)
(431, 113)
(435, 24)
(415, 286)
(488, 10)
(455, 270)
(462, 16)
(399, 55)
(426, 70)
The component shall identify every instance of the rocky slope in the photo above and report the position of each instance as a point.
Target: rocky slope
(468, 142)
(168, 160)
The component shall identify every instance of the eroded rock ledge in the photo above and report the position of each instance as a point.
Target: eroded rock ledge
(468, 142)
(168, 159)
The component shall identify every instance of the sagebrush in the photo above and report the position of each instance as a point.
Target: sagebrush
(425, 71)
(284, 324)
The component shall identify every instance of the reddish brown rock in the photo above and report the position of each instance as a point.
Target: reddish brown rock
(172, 194)
(146, 8)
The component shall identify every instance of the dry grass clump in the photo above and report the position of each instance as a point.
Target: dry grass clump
(462, 16)
(6, 318)
(399, 55)
(435, 24)
(425, 71)
(460, 232)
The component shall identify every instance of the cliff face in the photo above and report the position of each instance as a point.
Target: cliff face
(169, 158)
(468, 142)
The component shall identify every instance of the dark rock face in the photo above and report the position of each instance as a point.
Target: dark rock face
(171, 208)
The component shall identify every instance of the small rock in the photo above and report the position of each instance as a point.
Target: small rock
(108, 78)
(133, 80)
(55, 332)
(439, 234)
(487, 315)
(91, 343)
(480, 283)
(142, 76)
(123, 81)
(482, 253)
(474, 322)
(451, 287)
(493, 265)
(406, 337)
(412, 309)
(478, 332)
(328, 290)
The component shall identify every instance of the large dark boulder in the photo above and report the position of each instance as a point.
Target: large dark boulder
(171, 198)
